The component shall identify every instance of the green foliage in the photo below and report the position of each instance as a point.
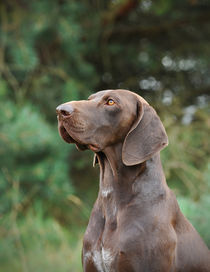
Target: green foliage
(29, 171)
(198, 214)
(186, 159)
(39, 243)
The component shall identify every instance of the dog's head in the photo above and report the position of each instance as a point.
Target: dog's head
(113, 116)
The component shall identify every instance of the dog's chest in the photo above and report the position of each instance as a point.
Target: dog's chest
(99, 248)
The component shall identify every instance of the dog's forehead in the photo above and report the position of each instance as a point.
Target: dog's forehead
(99, 94)
(118, 92)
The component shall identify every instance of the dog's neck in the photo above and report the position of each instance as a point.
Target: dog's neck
(125, 182)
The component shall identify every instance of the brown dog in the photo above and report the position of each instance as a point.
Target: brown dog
(136, 224)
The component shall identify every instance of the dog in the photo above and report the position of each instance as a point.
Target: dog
(136, 224)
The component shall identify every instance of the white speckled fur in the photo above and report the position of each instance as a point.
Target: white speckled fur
(97, 259)
(107, 191)
(88, 255)
(107, 258)
(102, 259)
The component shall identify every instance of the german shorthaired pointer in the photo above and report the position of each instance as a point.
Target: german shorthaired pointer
(136, 224)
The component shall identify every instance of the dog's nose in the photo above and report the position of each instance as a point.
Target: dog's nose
(64, 109)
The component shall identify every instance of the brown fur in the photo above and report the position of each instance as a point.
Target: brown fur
(136, 224)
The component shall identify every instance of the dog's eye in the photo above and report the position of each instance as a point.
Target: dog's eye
(110, 102)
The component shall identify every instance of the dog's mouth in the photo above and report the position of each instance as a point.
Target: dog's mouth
(71, 140)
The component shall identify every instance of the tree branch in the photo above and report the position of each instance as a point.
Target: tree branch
(120, 11)
(125, 32)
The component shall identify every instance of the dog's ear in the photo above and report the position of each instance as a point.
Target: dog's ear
(146, 136)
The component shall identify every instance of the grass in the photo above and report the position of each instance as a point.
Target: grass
(198, 214)
(34, 244)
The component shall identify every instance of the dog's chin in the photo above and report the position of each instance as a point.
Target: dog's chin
(69, 139)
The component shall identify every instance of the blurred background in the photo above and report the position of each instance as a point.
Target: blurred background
(53, 51)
